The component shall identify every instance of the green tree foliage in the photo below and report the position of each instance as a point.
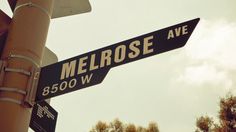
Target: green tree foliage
(227, 118)
(118, 126)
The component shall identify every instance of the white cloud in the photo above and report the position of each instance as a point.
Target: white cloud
(214, 42)
(211, 57)
(205, 74)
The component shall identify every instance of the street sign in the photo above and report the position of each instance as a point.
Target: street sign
(48, 57)
(43, 118)
(91, 68)
(70, 7)
(12, 4)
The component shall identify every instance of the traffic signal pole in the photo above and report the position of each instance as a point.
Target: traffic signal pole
(23, 52)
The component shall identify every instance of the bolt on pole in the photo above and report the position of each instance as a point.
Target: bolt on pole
(23, 51)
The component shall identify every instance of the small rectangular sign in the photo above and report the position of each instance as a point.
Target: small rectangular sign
(43, 118)
(91, 68)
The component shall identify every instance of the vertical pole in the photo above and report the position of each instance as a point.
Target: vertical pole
(23, 50)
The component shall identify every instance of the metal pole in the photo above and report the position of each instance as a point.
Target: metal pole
(23, 50)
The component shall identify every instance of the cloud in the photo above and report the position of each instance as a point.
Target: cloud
(211, 57)
(203, 71)
(205, 74)
(214, 42)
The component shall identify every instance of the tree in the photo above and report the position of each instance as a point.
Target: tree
(118, 126)
(130, 128)
(227, 118)
(152, 127)
(100, 127)
(227, 113)
(204, 124)
(141, 129)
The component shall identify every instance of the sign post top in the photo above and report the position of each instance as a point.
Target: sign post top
(64, 8)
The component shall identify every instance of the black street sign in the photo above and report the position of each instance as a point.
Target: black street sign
(91, 68)
(43, 118)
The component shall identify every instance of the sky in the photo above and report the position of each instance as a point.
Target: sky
(175, 87)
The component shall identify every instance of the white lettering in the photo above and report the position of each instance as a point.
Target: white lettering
(68, 69)
(92, 63)
(170, 34)
(147, 44)
(133, 47)
(82, 64)
(120, 53)
(105, 58)
(178, 32)
(185, 29)
(86, 79)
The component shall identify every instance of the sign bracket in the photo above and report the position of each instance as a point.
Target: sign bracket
(3, 65)
(16, 56)
(16, 90)
(30, 92)
(32, 87)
